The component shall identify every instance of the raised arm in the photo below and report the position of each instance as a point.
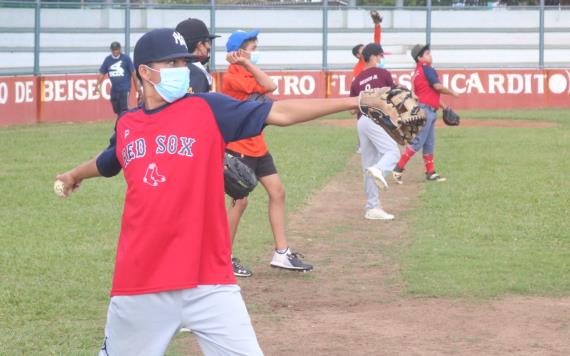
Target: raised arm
(260, 77)
(377, 33)
(377, 19)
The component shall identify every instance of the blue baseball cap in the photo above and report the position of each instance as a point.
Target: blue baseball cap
(237, 38)
(160, 45)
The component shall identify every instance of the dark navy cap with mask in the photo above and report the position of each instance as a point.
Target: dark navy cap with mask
(160, 45)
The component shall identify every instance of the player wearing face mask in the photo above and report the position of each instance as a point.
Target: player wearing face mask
(379, 152)
(173, 267)
(199, 41)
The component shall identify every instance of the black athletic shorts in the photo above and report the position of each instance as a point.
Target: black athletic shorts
(262, 166)
(120, 101)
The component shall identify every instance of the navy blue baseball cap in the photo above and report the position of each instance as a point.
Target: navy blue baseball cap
(160, 45)
(237, 38)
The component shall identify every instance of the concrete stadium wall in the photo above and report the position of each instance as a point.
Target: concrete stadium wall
(78, 39)
(250, 17)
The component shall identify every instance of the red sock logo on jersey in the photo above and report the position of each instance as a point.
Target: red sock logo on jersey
(152, 177)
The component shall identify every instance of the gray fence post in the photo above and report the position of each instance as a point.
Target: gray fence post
(428, 22)
(128, 28)
(37, 38)
(325, 34)
(541, 36)
(213, 30)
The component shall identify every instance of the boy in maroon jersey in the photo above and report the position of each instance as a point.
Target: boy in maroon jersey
(379, 152)
(173, 268)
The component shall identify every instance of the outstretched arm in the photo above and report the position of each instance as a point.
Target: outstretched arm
(295, 111)
(73, 178)
(443, 90)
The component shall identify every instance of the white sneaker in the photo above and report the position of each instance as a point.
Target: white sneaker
(290, 260)
(377, 214)
(378, 177)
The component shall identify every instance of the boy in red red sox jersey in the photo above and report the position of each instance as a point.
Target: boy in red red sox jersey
(173, 268)
(428, 89)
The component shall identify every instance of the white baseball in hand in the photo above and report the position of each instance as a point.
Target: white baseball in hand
(58, 188)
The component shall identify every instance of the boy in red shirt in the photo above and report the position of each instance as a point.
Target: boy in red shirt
(173, 267)
(428, 89)
(244, 80)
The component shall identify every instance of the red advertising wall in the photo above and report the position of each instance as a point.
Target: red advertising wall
(74, 98)
(28, 99)
(487, 89)
(18, 103)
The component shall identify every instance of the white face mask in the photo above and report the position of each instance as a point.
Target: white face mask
(174, 83)
(254, 57)
(381, 64)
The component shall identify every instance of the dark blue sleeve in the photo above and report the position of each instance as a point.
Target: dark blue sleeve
(198, 80)
(130, 64)
(104, 67)
(107, 163)
(237, 119)
(431, 75)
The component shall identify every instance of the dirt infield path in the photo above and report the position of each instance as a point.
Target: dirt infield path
(352, 304)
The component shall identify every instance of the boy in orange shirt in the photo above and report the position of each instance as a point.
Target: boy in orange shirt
(244, 80)
(357, 50)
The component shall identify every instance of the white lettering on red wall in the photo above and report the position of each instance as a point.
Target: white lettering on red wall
(28, 99)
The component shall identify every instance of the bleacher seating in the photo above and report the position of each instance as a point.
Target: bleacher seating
(456, 44)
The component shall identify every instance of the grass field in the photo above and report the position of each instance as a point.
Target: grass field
(499, 226)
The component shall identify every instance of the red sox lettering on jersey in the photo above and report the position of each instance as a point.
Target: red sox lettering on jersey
(165, 144)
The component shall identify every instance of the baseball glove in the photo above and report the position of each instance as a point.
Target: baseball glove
(376, 18)
(450, 117)
(397, 110)
(239, 179)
